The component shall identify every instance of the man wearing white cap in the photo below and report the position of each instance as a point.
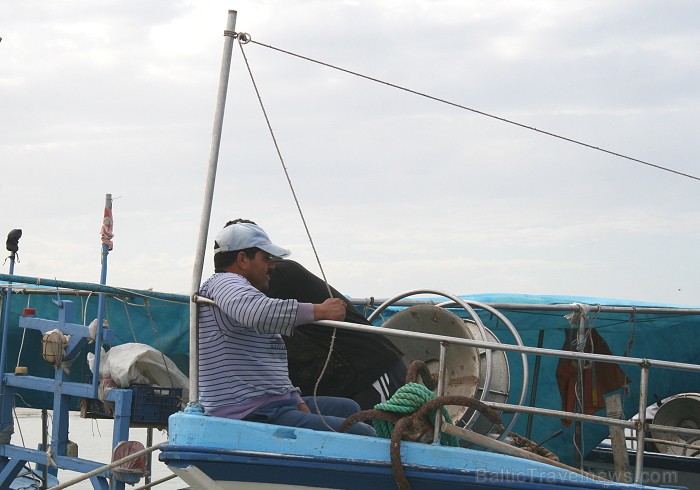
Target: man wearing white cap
(243, 372)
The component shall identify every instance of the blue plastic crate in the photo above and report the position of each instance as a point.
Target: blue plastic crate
(154, 404)
(150, 406)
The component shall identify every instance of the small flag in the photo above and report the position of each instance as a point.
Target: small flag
(108, 229)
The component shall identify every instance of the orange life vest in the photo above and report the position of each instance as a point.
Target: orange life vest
(599, 378)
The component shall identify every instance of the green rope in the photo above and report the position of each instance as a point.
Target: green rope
(408, 399)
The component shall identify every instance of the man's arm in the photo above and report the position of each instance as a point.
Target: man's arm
(331, 309)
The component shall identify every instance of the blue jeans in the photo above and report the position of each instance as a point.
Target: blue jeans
(334, 409)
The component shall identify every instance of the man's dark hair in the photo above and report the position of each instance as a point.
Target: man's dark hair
(239, 220)
(223, 259)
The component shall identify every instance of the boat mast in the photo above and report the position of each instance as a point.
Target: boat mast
(229, 35)
(106, 247)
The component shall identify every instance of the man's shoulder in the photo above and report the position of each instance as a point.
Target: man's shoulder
(223, 279)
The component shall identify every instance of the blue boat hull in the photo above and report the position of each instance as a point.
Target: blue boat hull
(232, 452)
(278, 470)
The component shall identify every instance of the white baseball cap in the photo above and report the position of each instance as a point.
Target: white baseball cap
(240, 236)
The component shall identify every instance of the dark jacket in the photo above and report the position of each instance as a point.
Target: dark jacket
(358, 359)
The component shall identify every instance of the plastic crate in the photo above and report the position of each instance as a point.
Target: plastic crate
(154, 404)
(150, 405)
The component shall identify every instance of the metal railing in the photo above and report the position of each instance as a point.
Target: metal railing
(643, 364)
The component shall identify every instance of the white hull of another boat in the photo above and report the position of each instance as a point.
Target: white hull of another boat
(195, 478)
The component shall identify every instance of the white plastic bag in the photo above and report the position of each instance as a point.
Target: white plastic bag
(140, 364)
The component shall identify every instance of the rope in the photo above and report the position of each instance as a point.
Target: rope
(407, 399)
(128, 319)
(632, 333)
(475, 111)
(109, 466)
(19, 426)
(579, 320)
(532, 447)
(279, 154)
(244, 38)
(154, 329)
(85, 306)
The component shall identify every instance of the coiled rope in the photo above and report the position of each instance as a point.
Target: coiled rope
(408, 399)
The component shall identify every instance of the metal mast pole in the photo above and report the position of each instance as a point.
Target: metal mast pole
(102, 297)
(229, 35)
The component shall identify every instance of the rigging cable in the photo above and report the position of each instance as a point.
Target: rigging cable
(475, 111)
(244, 38)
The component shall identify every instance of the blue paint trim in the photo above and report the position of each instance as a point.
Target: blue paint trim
(351, 474)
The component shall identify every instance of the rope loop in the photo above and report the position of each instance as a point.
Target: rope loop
(410, 415)
(408, 399)
(244, 38)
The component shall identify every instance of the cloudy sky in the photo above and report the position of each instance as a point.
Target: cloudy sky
(399, 191)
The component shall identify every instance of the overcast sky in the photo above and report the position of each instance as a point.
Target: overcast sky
(399, 192)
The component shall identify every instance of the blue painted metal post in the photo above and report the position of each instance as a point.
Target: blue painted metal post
(14, 458)
(106, 247)
(6, 310)
(6, 317)
(61, 401)
(122, 422)
(122, 415)
(7, 396)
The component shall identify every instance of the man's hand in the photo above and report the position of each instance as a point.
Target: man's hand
(331, 309)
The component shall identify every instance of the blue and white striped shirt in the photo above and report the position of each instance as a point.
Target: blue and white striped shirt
(242, 356)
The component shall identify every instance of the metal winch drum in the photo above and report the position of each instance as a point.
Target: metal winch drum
(466, 368)
(682, 411)
(499, 387)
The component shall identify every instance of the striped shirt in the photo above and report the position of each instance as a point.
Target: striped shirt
(242, 356)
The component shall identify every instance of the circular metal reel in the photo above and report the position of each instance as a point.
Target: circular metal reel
(523, 358)
(499, 388)
(467, 308)
(462, 364)
(682, 411)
